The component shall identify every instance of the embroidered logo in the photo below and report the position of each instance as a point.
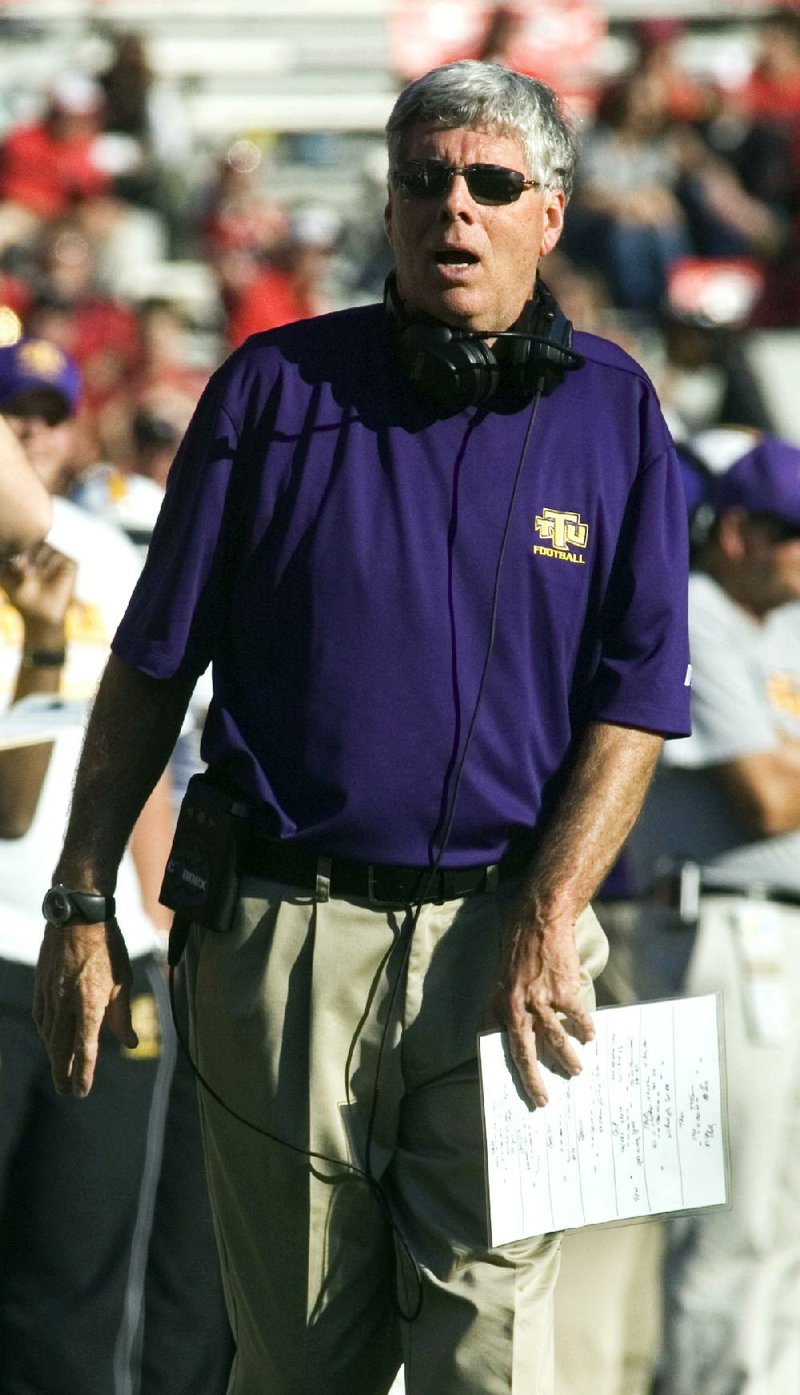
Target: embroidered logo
(563, 531)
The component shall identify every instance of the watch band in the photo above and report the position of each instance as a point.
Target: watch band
(63, 906)
(44, 658)
(92, 906)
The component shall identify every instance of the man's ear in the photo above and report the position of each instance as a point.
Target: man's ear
(555, 204)
(387, 220)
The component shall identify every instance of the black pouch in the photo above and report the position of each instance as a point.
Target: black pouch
(201, 875)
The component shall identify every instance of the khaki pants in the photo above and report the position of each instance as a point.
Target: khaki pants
(311, 1023)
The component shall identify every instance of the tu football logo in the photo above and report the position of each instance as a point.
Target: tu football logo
(561, 532)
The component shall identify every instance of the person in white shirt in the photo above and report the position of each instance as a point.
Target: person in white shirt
(77, 1187)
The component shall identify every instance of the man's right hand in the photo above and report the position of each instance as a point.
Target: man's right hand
(83, 979)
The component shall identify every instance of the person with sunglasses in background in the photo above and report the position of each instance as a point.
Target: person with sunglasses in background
(716, 855)
(435, 551)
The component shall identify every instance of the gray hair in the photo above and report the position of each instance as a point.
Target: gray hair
(489, 97)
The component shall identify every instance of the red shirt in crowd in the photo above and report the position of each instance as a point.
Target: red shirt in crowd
(46, 174)
(271, 299)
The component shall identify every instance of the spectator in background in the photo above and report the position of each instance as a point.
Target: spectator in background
(60, 166)
(717, 849)
(772, 89)
(146, 116)
(705, 378)
(164, 382)
(657, 44)
(630, 222)
(763, 119)
(294, 285)
(652, 193)
(76, 1193)
(95, 328)
(100, 330)
(131, 498)
(50, 166)
(240, 224)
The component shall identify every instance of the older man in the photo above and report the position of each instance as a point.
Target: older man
(436, 555)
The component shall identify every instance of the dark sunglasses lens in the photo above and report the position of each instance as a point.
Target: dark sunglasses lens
(428, 181)
(431, 179)
(494, 184)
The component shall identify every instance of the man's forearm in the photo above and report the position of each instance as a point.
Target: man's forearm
(538, 997)
(764, 789)
(132, 730)
(601, 801)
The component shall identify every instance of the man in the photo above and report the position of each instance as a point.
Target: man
(76, 1188)
(440, 704)
(719, 845)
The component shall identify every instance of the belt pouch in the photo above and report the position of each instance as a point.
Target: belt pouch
(201, 876)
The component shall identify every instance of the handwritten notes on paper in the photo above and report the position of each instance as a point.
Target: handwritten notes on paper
(639, 1132)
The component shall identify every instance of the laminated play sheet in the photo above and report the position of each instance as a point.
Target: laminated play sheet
(640, 1132)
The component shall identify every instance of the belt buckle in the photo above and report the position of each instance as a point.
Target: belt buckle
(374, 900)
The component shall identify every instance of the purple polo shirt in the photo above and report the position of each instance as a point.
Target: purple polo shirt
(332, 548)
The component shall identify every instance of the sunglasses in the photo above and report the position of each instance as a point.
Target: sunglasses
(492, 184)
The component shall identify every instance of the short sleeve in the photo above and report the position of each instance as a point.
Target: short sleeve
(175, 610)
(643, 675)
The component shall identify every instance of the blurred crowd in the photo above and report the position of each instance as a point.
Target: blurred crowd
(683, 232)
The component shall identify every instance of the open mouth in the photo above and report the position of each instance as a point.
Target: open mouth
(455, 257)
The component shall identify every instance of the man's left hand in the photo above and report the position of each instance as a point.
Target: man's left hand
(538, 1001)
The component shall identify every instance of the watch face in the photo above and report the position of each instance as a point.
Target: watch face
(57, 906)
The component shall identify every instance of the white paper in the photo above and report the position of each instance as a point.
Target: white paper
(639, 1132)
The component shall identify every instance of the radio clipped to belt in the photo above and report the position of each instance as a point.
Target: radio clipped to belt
(201, 876)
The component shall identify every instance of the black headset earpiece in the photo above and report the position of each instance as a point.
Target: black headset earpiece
(455, 368)
(449, 367)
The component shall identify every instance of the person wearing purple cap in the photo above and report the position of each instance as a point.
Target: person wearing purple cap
(717, 852)
(76, 1192)
(435, 552)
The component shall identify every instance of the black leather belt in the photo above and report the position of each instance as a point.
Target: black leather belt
(380, 884)
(682, 887)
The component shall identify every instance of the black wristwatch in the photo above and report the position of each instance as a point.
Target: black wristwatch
(61, 907)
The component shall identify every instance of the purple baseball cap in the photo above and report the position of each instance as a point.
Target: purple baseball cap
(766, 480)
(35, 365)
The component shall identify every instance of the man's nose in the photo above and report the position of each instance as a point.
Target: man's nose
(457, 202)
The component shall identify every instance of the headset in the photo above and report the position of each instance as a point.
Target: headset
(457, 368)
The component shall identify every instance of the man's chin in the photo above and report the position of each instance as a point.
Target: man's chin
(460, 312)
